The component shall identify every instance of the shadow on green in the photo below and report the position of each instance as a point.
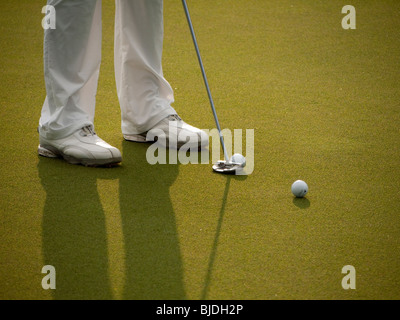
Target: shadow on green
(213, 252)
(74, 231)
(302, 203)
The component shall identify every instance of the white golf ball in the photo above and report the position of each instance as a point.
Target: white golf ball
(299, 188)
(238, 158)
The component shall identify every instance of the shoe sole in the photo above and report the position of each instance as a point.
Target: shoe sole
(136, 138)
(51, 152)
(142, 139)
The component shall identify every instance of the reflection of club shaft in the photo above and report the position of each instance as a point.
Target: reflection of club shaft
(205, 78)
(217, 233)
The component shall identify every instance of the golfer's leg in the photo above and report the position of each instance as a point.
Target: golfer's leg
(144, 94)
(72, 55)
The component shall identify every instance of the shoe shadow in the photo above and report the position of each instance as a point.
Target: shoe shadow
(153, 259)
(73, 231)
(75, 237)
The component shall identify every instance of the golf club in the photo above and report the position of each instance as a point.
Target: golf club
(222, 166)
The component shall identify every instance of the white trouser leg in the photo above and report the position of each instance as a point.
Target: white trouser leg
(145, 96)
(72, 56)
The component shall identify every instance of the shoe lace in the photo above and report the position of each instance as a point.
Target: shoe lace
(173, 117)
(87, 131)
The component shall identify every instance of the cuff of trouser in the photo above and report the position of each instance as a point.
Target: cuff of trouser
(49, 133)
(131, 129)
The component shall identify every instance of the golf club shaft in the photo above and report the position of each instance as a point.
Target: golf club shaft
(205, 78)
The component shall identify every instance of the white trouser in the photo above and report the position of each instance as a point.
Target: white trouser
(72, 56)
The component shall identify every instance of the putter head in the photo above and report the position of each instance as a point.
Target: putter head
(227, 167)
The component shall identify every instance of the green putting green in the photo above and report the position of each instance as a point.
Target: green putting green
(324, 103)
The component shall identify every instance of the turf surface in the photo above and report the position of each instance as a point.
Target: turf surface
(324, 106)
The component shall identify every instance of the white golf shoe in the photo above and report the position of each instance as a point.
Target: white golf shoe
(172, 132)
(82, 147)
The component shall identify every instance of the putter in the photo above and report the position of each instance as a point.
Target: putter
(222, 166)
